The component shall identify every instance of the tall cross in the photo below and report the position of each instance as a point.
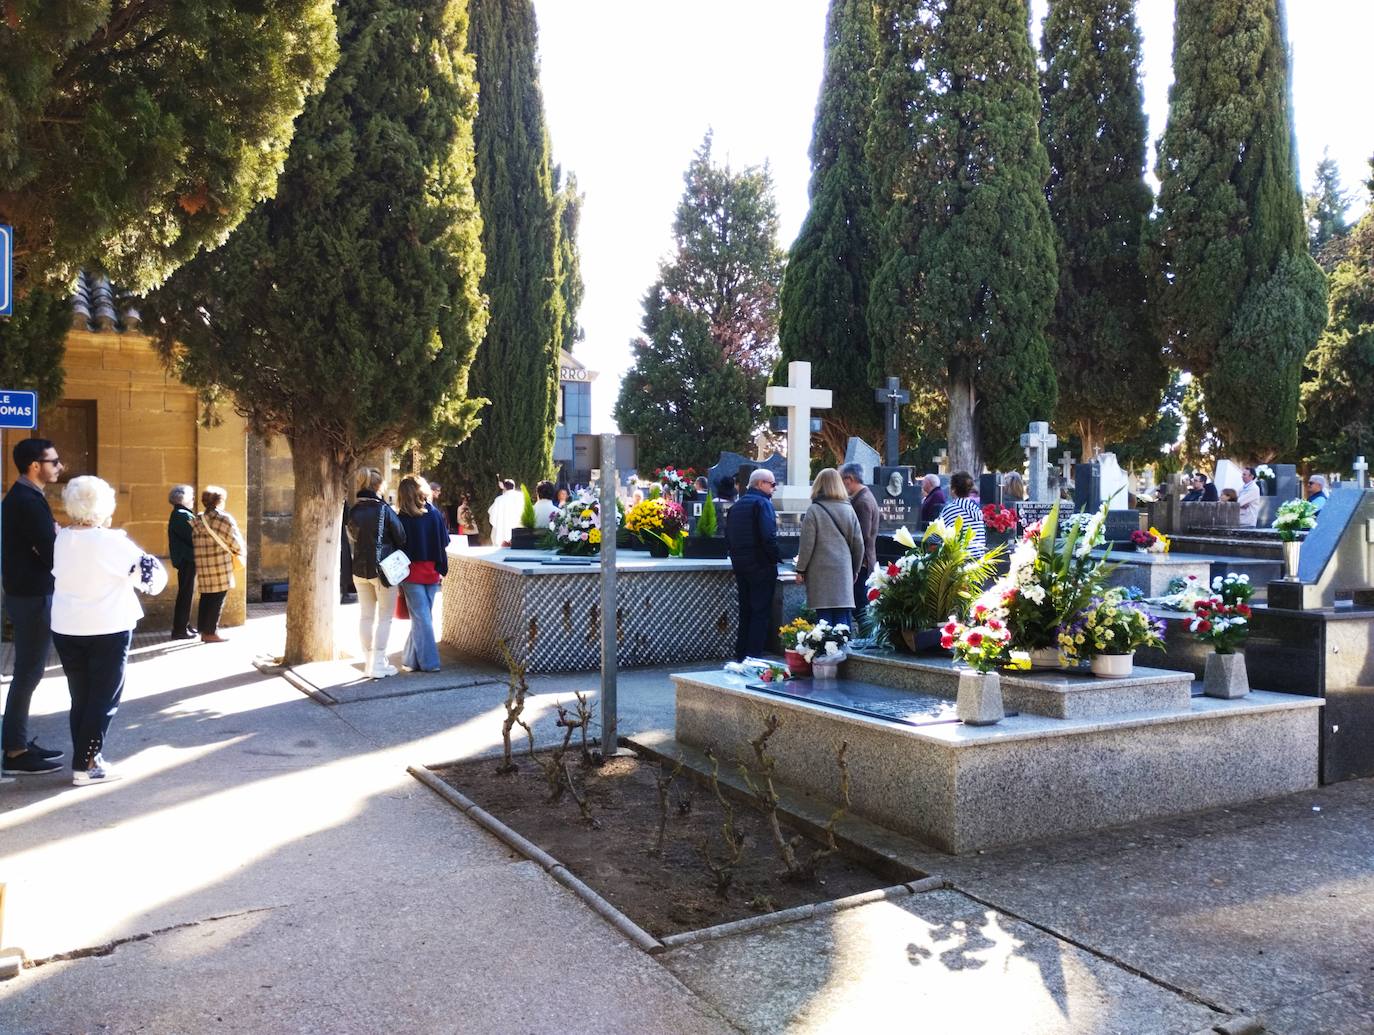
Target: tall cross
(942, 462)
(893, 397)
(1037, 442)
(1066, 466)
(1361, 468)
(800, 399)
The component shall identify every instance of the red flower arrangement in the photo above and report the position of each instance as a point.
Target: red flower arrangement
(1143, 540)
(999, 518)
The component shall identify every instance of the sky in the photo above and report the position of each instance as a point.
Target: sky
(632, 86)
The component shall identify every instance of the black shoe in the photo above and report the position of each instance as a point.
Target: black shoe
(29, 764)
(42, 752)
(189, 634)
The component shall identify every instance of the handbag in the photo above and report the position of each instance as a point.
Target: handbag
(395, 566)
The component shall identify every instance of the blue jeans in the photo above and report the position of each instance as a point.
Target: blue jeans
(31, 617)
(95, 679)
(837, 616)
(421, 650)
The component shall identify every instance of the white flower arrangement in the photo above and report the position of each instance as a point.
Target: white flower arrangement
(824, 639)
(1264, 471)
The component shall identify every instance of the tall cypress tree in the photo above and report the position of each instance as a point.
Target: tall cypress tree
(1242, 302)
(344, 314)
(1110, 368)
(968, 274)
(825, 289)
(517, 366)
(1338, 396)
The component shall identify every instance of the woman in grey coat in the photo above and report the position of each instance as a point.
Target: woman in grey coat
(831, 550)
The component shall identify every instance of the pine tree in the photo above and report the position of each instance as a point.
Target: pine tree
(1338, 396)
(132, 135)
(569, 218)
(517, 366)
(683, 398)
(1241, 300)
(967, 276)
(1326, 204)
(1110, 368)
(344, 314)
(825, 289)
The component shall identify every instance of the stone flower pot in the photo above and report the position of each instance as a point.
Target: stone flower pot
(1225, 676)
(1045, 657)
(979, 702)
(1113, 666)
(825, 668)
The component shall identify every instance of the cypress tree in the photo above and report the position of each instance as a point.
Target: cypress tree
(134, 134)
(344, 314)
(1111, 371)
(569, 218)
(1241, 300)
(1326, 204)
(967, 273)
(1338, 396)
(825, 289)
(517, 366)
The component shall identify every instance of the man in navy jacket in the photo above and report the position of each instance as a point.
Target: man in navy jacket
(751, 534)
(28, 532)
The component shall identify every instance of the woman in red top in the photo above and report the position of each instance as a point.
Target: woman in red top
(427, 548)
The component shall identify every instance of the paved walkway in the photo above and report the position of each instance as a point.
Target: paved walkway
(268, 866)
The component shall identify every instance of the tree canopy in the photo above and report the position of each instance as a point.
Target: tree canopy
(345, 312)
(1241, 300)
(967, 273)
(824, 296)
(1109, 365)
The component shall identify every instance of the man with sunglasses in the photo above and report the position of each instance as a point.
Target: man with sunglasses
(27, 534)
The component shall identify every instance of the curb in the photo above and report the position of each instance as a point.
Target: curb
(314, 693)
(555, 869)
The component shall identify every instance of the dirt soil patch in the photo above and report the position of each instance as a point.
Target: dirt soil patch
(665, 895)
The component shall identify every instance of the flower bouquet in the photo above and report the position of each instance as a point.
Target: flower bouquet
(675, 481)
(1223, 619)
(1184, 591)
(983, 644)
(1153, 541)
(1295, 517)
(576, 529)
(1112, 625)
(1264, 474)
(789, 636)
(822, 641)
(999, 518)
(1049, 580)
(658, 521)
(938, 577)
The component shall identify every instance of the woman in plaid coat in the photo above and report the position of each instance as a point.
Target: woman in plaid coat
(217, 542)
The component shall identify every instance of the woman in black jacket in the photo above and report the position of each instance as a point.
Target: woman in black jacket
(374, 531)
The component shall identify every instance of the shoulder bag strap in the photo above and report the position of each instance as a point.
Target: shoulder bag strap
(215, 536)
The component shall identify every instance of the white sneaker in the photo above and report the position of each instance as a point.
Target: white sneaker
(378, 667)
(100, 772)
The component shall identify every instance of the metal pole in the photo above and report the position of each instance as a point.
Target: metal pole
(609, 741)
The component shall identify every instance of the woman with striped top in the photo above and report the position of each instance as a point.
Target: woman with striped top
(963, 505)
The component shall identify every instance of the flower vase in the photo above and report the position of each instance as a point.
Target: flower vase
(797, 663)
(979, 701)
(1113, 666)
(1225, 676)
(1292, 550)
(1045, 657)
(825, 668)
(657, 547)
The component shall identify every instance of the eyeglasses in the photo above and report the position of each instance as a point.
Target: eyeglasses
(55, 461)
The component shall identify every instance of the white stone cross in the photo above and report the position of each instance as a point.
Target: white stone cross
(1037, 442)
(942, 462)
(1361, 469)
(1066, 466)
(800, 399)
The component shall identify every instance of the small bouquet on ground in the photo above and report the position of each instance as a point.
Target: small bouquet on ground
(1183, 593)
(1223, 619)
(658, 519)
(1153, 541)
(983, 644)
(999, 518)
(823, 639)
(1295, 517)
(675, 480)
(1111, 624)
(576, 529)
(775, 674)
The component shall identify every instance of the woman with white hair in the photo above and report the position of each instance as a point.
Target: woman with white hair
(181, 550)
(96, 570)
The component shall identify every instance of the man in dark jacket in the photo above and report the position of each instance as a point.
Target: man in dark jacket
(751, 535)
(28, 532)
(934, 499)
(866, 508)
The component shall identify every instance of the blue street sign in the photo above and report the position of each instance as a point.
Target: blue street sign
(7, 271)
(18, 409)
